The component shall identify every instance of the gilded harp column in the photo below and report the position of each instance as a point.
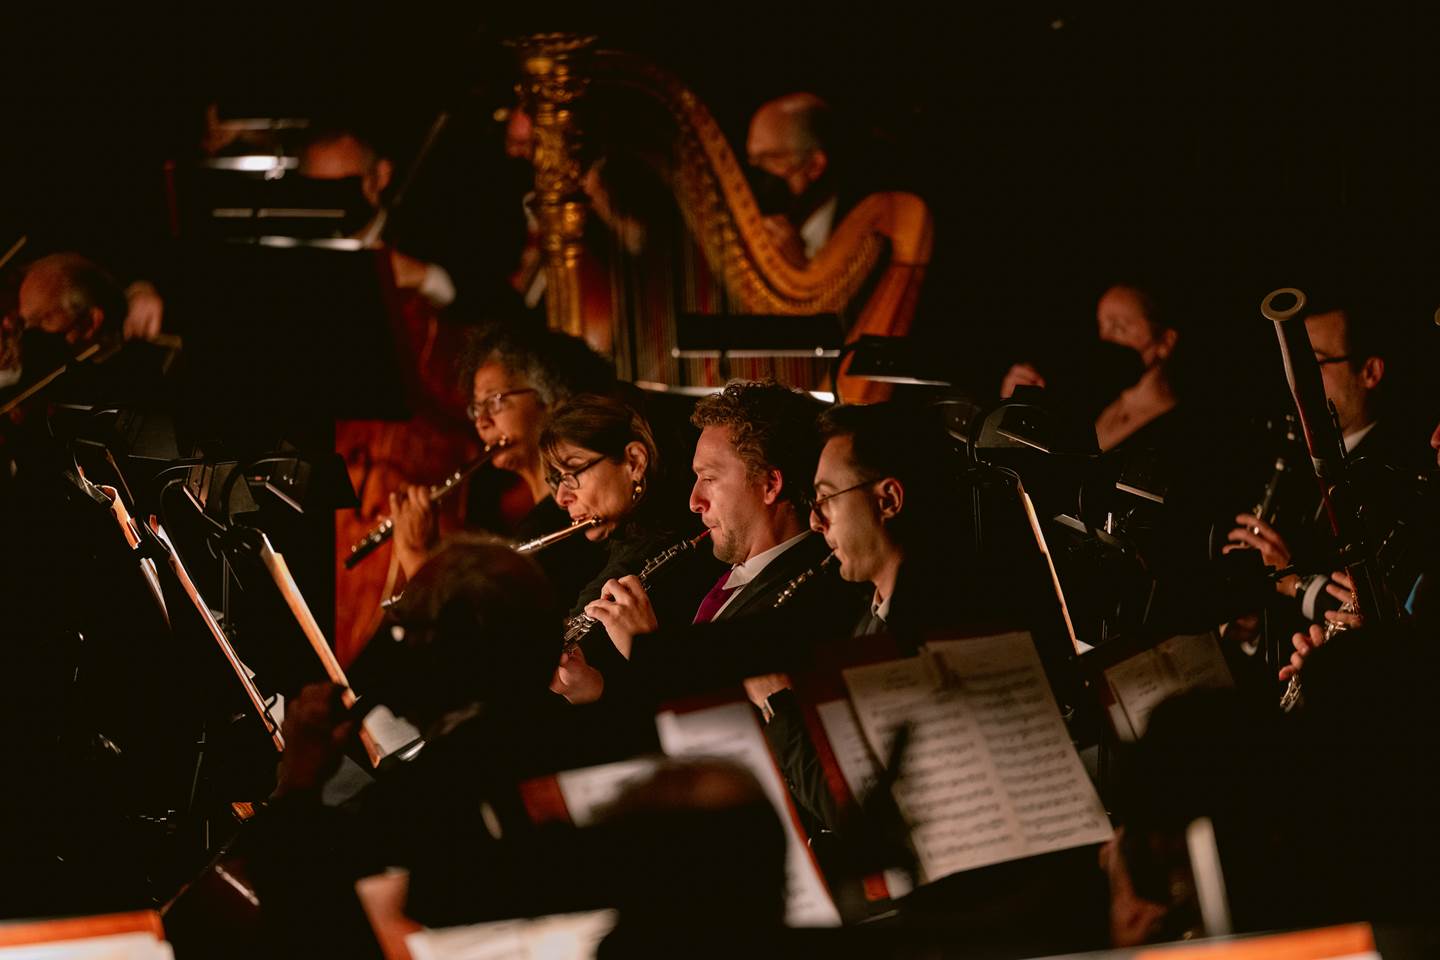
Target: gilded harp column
(553, 79)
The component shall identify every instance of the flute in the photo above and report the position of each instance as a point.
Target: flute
(564, 533)
(385, 529)
(529, 546)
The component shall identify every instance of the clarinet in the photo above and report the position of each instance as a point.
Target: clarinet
(794, 585)
(578, 627)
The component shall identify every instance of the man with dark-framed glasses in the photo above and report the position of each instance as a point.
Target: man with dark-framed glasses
(879, 503)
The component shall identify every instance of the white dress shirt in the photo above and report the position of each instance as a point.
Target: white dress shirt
(743, 573)
(816, 229)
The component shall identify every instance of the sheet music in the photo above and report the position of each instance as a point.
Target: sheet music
(390, 733)
(1196, 661)
(1139, 685)
(119, 946)
(990, 774)
(858, 768)
(589, 790)
(568, 936)
(731, 732)
(1144, 681)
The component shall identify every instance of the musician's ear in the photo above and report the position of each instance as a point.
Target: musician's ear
(774, 485)
(88, 326)
(817, 161)
(1372, 371)
(1167, 342)
(378, 179)
(637, 459)
(890, 497)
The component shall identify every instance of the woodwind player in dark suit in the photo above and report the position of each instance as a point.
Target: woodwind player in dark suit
(753, 463)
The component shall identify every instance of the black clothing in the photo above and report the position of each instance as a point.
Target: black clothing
(569, 564)
(764, 591)
(673, 594)
(752, 637)
(639, 541)
(428, 816)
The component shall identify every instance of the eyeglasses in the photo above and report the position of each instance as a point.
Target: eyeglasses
(493, 404)
(571, 479)
(816, 503)
(1322, 361)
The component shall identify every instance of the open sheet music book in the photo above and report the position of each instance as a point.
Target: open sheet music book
(990, 773)
(1139, 684)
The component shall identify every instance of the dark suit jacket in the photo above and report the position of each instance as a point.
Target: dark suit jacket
(762, 593)
(751, 637)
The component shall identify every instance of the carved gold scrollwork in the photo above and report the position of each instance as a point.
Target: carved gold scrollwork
(553, 79)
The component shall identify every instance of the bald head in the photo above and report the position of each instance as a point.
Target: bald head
(790, 138)
(68, 295)
(336, 155)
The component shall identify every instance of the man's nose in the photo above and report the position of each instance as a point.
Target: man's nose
(696, 505)
(564, 496)
(817, 522)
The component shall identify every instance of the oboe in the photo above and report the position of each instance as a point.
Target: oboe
(385, 529)
(578, 627)
(794, 585)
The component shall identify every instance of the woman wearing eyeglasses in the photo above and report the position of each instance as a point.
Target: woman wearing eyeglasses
(517, 374)
(601, 461)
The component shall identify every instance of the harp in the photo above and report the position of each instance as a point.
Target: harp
(869, 272)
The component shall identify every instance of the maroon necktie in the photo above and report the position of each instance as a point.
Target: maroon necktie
(714, 600)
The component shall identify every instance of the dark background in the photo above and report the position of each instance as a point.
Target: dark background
(1232, 149)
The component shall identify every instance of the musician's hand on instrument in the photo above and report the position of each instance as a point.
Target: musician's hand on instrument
(1342, 588)
(1256, 533)
(786, 238)
(1020, 375)
(625, 611)
(145, 313)
(315, 732)
(417, 527)
(1305, 644)
(576, 680)
(760, 689)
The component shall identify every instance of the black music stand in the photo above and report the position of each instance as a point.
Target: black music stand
(260, 199)
(819, 336)
(901, 360)
(281, 343)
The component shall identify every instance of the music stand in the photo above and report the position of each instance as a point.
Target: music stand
(818, 336)
(895, 360)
